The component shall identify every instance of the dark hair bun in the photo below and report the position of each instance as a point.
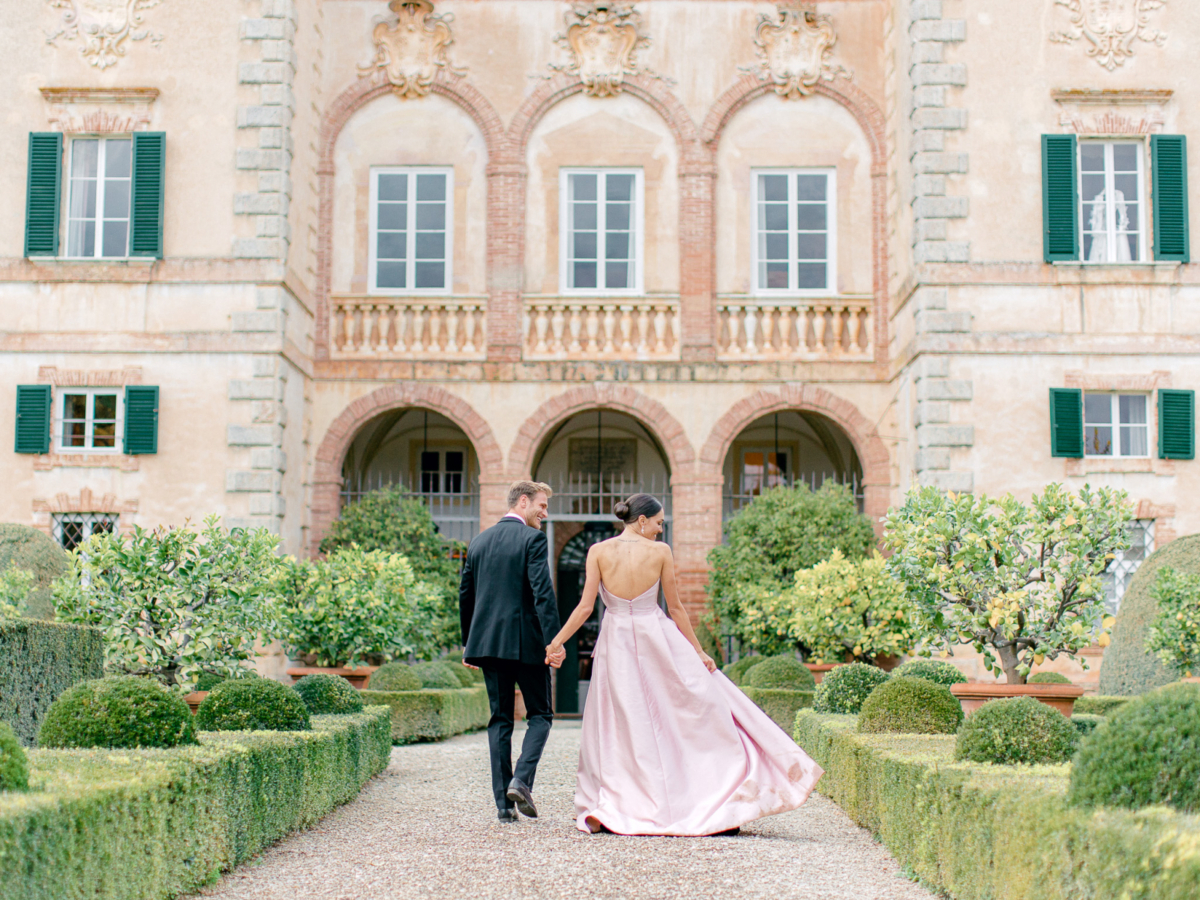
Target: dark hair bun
(635, 507)
(621, 510)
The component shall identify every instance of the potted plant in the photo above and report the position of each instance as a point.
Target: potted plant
(1174, 635)
(1019, 582)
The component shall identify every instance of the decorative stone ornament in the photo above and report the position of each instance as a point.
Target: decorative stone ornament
(1110, 27)
(794, 47)
(603, 40)
(104, 26)
(410, 51)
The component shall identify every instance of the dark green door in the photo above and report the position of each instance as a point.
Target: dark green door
(572, 575)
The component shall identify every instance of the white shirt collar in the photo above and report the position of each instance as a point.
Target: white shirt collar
(520, 519)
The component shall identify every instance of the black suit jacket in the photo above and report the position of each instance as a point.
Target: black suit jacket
(506, 598)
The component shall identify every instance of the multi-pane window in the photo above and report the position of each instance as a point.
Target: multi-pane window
(1125, 563)
(443, 471)
(795, 230)
(88, 419)
(73, 529)
(1116, 425)
(763, 469)
(98, 199)
(602, 238)
(1110, 192)
(411, 215)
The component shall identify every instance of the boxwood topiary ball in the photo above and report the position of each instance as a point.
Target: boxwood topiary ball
(1049, 678)
(436, 675)
(737, 670)
(1084, 723)
(1016, 730)
(459, 671)
(783, 671)
(844, 688)
(910, 706)
(328, 695)
(207, 680)
(14, 766)
(252, 704)
(931, 670)
(122, 711)
(395, 676)
(1144, 754)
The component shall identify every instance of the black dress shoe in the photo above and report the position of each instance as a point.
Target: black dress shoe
(507, 815)
(520, 794)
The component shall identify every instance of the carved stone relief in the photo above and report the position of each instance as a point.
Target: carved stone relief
(794, 47)
(98, 110)
(1112, 111)
(603, 40)
(103, 26)
(410, 49)
(1110, 27)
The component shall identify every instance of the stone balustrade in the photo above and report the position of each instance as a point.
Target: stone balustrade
(794, 328)
(629, 328)
(409, 327)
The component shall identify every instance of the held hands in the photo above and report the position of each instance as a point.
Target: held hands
(708, 661)
(555, 655)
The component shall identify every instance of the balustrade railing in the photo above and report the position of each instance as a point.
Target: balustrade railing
(800, 328)
(630, 328)
(409, 327)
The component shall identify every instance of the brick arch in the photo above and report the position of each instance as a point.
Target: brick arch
(870, 119)
(872, 452)
(327, 465)
(652, 414)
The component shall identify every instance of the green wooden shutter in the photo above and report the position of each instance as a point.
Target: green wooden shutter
(1168, 154)
(33, 418)
(1060, 199)
(146, 216)
(141, 419)
(1066, 422)
(42, 193)
(1176, 424)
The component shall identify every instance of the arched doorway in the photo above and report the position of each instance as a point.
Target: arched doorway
(571, 688)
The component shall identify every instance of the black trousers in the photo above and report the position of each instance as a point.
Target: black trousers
(502, 677)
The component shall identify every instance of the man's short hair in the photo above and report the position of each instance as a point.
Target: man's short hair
(528, 489)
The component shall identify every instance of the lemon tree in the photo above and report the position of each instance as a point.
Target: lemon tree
(1019, 582)
(1174, 635)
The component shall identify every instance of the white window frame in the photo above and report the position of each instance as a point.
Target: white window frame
(781, 477)
(1109, 186)
(410, 231)
(1115, 411)
(59, 419)
(101, 180)
(637, 244)
(831, 225)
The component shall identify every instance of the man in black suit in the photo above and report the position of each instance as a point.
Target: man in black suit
(509, 616)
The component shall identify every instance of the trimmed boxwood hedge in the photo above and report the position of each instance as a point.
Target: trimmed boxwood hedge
(934, 670)
(783, 672)
(38, 661)
(123, 711)
(252, 704)
(1017, 730)
(436, 676)
(328, 695)
(1049, 678)
(394, 676)
(986, 832)
(780, 704)
(1099, 705)
(145, 824)
(736, 671)
(34, 551)
(14, 765)
(844, 690)
(1085, 724)
(430, 715)
(911, 706)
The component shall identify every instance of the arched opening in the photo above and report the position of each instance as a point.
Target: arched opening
(425, 453)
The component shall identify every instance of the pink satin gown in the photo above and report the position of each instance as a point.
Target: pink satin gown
(670, 748)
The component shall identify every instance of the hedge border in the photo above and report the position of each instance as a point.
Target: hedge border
(781, 704)
(432, 714)
(149, 824)
(38, 661)
(980, 832)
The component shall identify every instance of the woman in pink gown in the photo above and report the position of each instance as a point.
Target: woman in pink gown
(670, 745)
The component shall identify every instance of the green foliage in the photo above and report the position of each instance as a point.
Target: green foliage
(987, 832)
(1085, 724)
(784, 671)
(15, 587)
(1049, 678)
(910, 706)
(844, 689)
(931, 670)
(783, 531)
(737, 670)
(121, 711)
(1174, 635)
(174, 603)
(328, 695)
(436, 675)
(209, 680)
(1098, 705)
(26, 548)
(466, 677)
(14, 766)
(252, 704)
(1021, 583)
(431, 715)
(1129, 668)
(1147, 753)
(1014, 731)
(395, 676)
(38, 661)
(781, 704)
(154, 824)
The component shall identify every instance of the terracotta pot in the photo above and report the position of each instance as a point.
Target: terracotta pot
(194, 699)
(1059, 696)
(1194, 679)
(518, 706)
(819, 669)
(359, 677)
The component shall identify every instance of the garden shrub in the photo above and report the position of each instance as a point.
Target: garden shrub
(34, 551)
(436, 675)
(38, 661)
(395, 676)
(1016, 730)
(910, 706)
(122, 711)
(1145, 755)
(1129, 668)
(781, 704)
(328, 695)
(465, 676)
(209, 680)
(737, 670)
(16, 585)
(252, 704)
(1174, 635)
(783, 672)
(844, 689)
(1085, 724)
(1049, 678)
(1097, 705)
(931, 670)
(431, 715)
(14, 766)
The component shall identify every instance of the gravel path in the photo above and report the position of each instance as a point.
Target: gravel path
(427, 828)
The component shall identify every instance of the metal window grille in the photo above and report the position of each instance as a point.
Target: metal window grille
(73, 529)
(735, 497)
(455, 513)
(1120, 571)
(586, 498)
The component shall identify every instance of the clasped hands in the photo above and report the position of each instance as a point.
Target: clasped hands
(555, 657)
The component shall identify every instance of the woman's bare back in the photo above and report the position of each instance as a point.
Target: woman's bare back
(628, 567)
